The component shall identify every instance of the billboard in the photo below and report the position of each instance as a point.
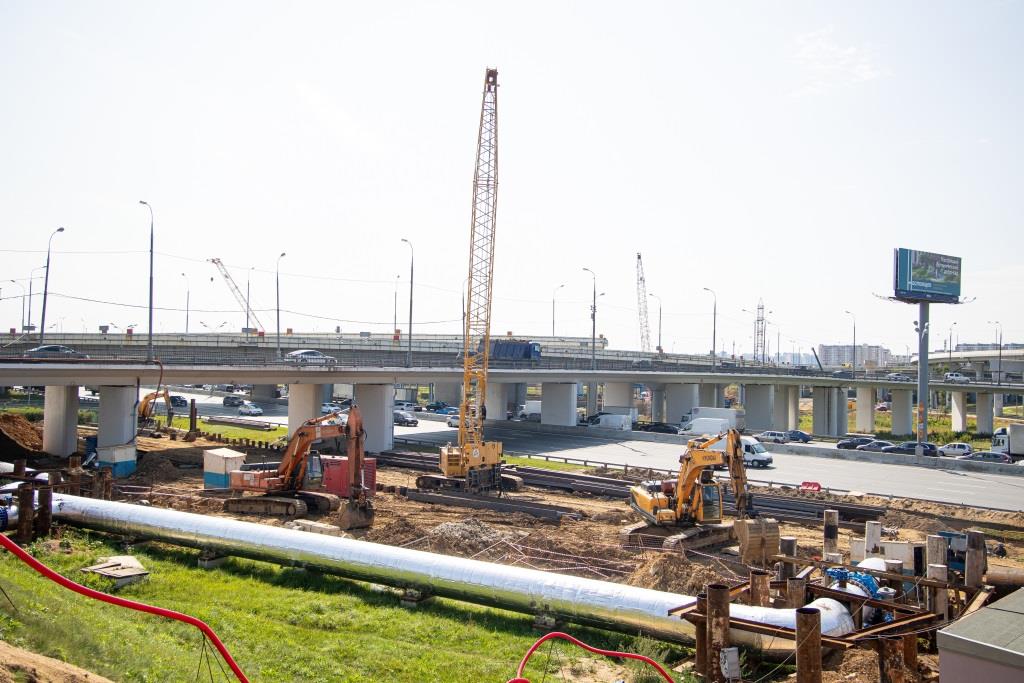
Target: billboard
(924, 276)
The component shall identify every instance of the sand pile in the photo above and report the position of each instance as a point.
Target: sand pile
(154, 469)
(465, 537)
(673, 573)
(398, 532)
(19, 438)
(903, 520)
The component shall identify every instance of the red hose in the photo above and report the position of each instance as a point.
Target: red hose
(121, 602)
(607, 653)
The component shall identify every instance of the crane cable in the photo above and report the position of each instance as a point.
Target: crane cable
(35, 564)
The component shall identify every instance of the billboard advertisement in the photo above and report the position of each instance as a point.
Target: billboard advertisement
(924, 276)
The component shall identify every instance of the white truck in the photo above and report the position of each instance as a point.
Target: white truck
(530, 411)
(1011, 442)
(623, 423)
(754, 452)
(706, 425)
(736, 417)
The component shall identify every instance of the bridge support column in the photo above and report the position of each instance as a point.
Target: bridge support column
(793, 413)
(118, 422)
(657, 402)
(617, 394)
(263, 392)
(959, 411)
(496, 401)
(902, 412)
(591, 398)
(865, 410)
(60, 420)
(997, 405)
(984, 412)
(558, 404)
(680, 399)
(842, 412)
(303, 403)
(710, 395)
(780, 408)
(449, 392)
(826, 411)
(377, 404)
(759, 406)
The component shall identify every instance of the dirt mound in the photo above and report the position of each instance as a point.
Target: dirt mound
(154, 469)
(904, 520)
(465, 537)
(673, 573)
(22, 665)
(19, 438)
(398, 532)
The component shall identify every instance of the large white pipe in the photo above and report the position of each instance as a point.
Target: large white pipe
(585, 601)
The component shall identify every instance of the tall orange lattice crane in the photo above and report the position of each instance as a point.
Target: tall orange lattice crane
(475, 464)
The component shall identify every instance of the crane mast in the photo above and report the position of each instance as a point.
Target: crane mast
(641, 305)
(239, 297)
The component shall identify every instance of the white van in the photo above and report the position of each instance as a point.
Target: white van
(754, 452)
(706, 425)
(956, 378)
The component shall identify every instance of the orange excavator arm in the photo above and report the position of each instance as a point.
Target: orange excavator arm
(292, 469)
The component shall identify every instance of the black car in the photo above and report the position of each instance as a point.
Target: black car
(54, 351)
(657, 427)
(405, 419)
(910, 448)
(233, 400)
(853, 442)
(436, 406)
(179, 401)
(843, 374)
(797, 435)
(876, 446)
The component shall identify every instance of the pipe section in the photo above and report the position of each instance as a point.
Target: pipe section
(585, 601)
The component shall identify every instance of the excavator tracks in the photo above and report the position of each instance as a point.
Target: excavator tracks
(278, 506)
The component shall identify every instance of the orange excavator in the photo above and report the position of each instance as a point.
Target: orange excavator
(294, 487)
(147, 407)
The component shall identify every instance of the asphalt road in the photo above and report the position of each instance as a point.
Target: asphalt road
(961, 488)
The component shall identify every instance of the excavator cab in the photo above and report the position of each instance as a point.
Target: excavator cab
(314, 471)
(711, 502)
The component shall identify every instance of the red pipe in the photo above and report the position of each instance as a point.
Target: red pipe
(607, 653)
(121, 602)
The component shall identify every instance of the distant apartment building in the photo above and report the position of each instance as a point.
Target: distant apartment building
(838, 355)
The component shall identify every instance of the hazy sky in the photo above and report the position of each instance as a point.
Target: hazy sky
(773, 150)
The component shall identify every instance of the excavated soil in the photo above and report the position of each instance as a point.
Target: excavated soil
(17, 665)
(19, 438)
(858, 665)
(153, 468)
(673, 573)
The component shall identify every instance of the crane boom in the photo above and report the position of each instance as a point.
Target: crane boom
(239, 297)
(641, 305)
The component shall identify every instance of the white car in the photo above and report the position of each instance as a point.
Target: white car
(772, 437)
(309, 357)
(250, 409)
(956, 377)
(956, 449)
(328, 408)
(453, 421)
(407, 406)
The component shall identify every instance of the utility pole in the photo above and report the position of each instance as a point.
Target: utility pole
(553, 307)
(46, 285)
(714, 324)
(854, 339)
(412, 260)
(593, 323)
(659, 321)
(188, 295)
(149, 345)
(277, 298)
(999, 372)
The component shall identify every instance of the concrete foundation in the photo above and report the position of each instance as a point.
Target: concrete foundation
(959, 411)
(558, 404)
(711, 395)
(303, 403)
(377, 404)
(759, 406)
(984, 412)
(118, 422)
(60, 420)
(865, 410)
(902, 412)
(680, 399)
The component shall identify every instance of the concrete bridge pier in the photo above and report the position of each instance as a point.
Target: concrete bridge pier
(793, 410)
(303, 403)
(959, 411)
(657, 402)
(60, 420)
(263, 392)
(558, 403)
(711, 395)
(759, 406)
(591, 398)
(680, 399)
(780, 408)
(497, 399)
(118, 423)
(377, 404)
(865, 410)
(449, 392)
(983, 409)
(997, 405)
(828, 418)
(617, 395)
(902, 412)
(842, 412)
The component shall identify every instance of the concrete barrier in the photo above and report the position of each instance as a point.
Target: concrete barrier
(938, 463)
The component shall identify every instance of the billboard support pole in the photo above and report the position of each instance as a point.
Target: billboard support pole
(922, 375)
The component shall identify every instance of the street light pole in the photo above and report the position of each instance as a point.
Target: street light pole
(188, 295)
(999, 325)
(593, 323)
(659, 318)
(854, 339)
(553, 307)
(714, 325)
(277, 300)
(46, 285)
(31, 279)
(951, 345)
(412, 261)
(248, 306)
(149, 348)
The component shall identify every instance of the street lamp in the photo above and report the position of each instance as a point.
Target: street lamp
(46, 285)
(951, 345)
(593, 323)
(998, 324)
(553, 307)
(248, 307)
(277, 299)
(714, 325)
(149, 349)
(412, 261)
(854, 339)
(31, 279)
(22, 304)
(659, 318)
(394, 325)
(188, 295)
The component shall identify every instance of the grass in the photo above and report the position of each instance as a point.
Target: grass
(231, 431)
(544, 464)
(940, 428)
(281, 624)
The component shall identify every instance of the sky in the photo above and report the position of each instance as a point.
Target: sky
(773, 151)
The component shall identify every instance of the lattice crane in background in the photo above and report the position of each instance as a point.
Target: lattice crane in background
(475, 464)
(239, 297)
(641, 305)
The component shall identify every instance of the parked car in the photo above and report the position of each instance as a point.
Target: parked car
(852, 443)
(883, 407)
(657, 427)
(454, 410)
(436, 406)
(798, 435)
(772, 437)
(876, 446)
(327, 408)
(233, 400)
(250, 409)
(843, 374)
(910, 448)
(988, 456)
(179, 401)
(405, 419)
(898, 377)
(956, 377)
(309, 357)
(956, 448)
(407, 406)
(55, 352)
(453, 420)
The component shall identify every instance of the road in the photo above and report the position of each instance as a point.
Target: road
(955, 487)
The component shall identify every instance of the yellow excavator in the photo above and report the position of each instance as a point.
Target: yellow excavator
(147, 406)
(687, 512)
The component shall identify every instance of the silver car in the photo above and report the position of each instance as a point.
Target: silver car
(309, 357)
